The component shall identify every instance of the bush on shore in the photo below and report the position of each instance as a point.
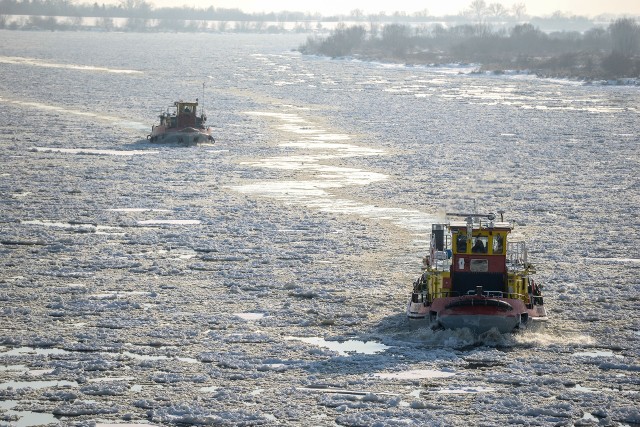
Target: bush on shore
(599, 53)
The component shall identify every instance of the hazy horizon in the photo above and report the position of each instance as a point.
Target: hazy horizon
(434, 8)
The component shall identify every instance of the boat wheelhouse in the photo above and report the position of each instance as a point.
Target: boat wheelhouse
(475, 277)
(181, 124)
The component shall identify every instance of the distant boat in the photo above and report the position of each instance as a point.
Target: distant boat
(475, 278)
(180, 124)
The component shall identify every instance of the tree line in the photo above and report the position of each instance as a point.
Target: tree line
(143, 11)
(610, 52)
(140, 9)
(78, 23)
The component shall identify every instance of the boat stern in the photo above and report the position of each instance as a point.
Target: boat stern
(481, 314)
(479, 323)
(187, 136)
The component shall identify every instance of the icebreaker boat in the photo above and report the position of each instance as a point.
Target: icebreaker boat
(181, 124)
(474, 277)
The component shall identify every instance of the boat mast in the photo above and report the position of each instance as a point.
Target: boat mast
(202, 97)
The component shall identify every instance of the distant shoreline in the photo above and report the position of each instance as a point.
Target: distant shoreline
(610, 56)
(504, 69)
(494, 69)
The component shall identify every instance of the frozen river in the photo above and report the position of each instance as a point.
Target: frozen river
(262, 280)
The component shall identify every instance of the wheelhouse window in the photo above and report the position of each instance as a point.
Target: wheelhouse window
(480, 245)
(461, 243)
(479, 265)
(498, 244)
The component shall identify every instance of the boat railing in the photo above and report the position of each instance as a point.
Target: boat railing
(444, 294)
(442, 260)
(495, 294)
(516, 254)
(439, 257)
(500, 294)
(419, 297)
(425, 297)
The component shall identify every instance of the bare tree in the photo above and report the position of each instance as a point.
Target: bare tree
(222, 26)
(76, 22)
(106, 23)
(259, 26)
(374, 28)
(496, 10)
(421, 13)
(136, 24)
(241, 26)
(596, 40)
(397, 38)
(625, 36)
(519, 11)
(136, 8)
(357, 14)
(478, 9)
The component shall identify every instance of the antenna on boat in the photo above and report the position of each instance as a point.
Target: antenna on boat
(489, 216)
(203, 97)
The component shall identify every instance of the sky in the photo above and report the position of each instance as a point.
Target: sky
(587, 8)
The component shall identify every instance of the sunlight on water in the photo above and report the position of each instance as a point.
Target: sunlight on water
(97, 116)
(249, 316)
(32, 350)
(344, 348)
(318, 149)
(341, 149)
(36, 384)
(169, 222)
(124, 425)
(138, 210)
(598, 353)
(466, 390)
(39, 63)
(548, 338)
(92, 151)
(83, 227)
(150, 357)
(414, 374)
(119, 294)
(26, 418)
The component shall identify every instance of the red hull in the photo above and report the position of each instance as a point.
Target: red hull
(478, 313)
(188, 135)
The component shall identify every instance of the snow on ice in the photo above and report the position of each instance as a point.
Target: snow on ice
(262, 280)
